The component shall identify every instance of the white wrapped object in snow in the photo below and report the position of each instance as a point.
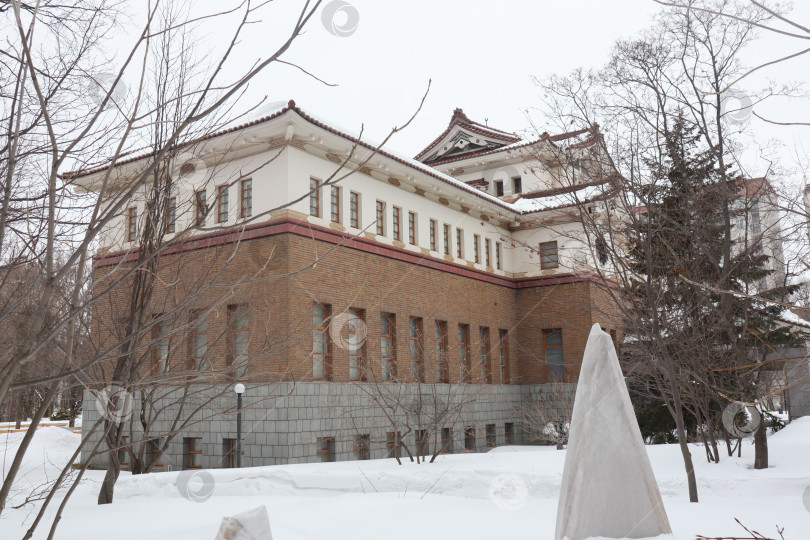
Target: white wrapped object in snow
(608, 487)
(251, 525)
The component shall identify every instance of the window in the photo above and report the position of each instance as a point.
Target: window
(229, 453)
(200, 207)
(238, 322)
(160, 349)
(483, 354)
(171, 215)
(498, 255)
(433, 227)
(334, 204)
(192, 450)
(488, 251)
(314, 197)
(469, 438)
(503, 357)
(422, 442)
(199, 340)
(415, 348)
(459, 243)
(756, 224)
(357, 345)
(123, 455)
(490, 436)
(554, 355)
(392, 442)
(509, 433)
(548, 255)
(517, 184)
(222, 204)
(440, 336)
(499, 188)
(388, 365)
(326, 449)
(132, 224)
(447, 441)
(354, 209)
(362, 446)
(601, 250)
(154, 453)
(447, 238)
(321, 359)
(397, 230)
(464, 352)
(246, 198)
(380, 218)
(412, 228)
(476, 248)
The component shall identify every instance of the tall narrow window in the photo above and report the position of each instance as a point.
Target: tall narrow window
(499, 188)
(357, 341)
(756, 223)
(326, 449)
(362, 446)
(498, 255)
(503, 355)
(200, 207)
(422, 440)
(229, 453)
(132, 224)
(246, 198)
(447, 441)
(192, 450)
(388, 366)
(222, 204)
(447, 238)
(412, 228)
(517, 184)
(354, 209)
(440, 338)
(314, 197)
(321, 359)
(483, 354)
(415, 348)
(160, 333)
(554, 355)
(469, 438)
(459, 243)
(199, 340)
(380, 218)
(491, 437)
(433, 227)
(238, 322)
(464, 353)
(397, 224)
(334, 204)
(123, 455)
(487, 250)
(171, 215)
(509, 433)
(476, 248)
(548, 255)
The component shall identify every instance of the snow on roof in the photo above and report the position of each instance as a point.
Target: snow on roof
(556, 200)
(789, 317)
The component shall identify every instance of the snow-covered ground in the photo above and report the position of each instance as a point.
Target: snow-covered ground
(510, 492)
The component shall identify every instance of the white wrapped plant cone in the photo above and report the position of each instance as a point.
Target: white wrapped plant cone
(251, 525)
(608, 487)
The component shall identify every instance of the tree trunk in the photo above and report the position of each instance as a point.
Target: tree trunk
(761, 446)
(105, 494)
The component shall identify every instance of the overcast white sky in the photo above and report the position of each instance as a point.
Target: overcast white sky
(479, 54)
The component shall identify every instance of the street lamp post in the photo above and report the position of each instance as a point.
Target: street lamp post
(239, 389)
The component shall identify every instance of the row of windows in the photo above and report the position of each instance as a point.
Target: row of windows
(192, 453)
(201, 208)
(517, 186)
(416, 331)
(238, 340)
(448, 247)
(421, 442)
